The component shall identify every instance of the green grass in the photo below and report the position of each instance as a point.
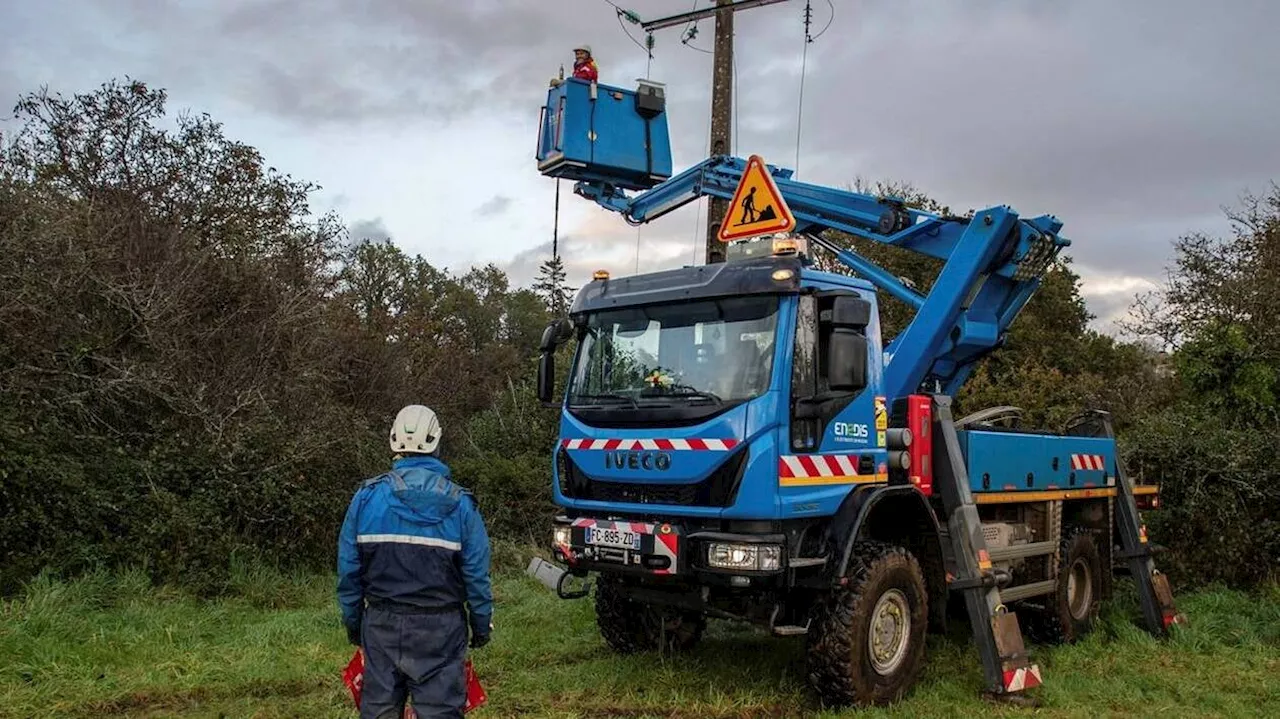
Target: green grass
(112, 646)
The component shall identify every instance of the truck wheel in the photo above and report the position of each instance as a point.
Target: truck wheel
(1072, 609)
(866, 639)
(628, 626)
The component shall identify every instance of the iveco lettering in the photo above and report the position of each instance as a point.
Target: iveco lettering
(660, 461)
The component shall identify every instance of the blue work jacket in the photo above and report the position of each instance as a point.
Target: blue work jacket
(413, 536)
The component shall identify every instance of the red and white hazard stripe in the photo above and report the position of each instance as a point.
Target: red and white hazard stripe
(821, 469)
(637, 527)
(666, 445)
(1088, 462)
(1016, 680)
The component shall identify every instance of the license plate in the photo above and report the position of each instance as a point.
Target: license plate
(613, 538)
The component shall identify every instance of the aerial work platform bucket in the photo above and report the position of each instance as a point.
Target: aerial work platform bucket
(594, 132)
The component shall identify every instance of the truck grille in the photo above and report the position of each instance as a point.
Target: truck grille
(719, 489)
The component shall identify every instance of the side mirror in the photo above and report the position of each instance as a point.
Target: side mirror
(848, 311)
(846, 344)
(556, 333)
(847, 360)
(546, 375)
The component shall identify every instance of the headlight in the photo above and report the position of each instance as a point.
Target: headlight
(744, 556)
(561, 535)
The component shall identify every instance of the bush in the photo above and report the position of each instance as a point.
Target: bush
(192, 367)
(1220, 493)
(504, 458)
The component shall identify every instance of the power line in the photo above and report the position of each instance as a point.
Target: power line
(691, 46)
(628, 33)
(804, 66)
(685, 29)
(829, 20)
(689, 33)
(555, 228)
(804, 61)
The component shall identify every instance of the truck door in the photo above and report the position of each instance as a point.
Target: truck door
(818, 399)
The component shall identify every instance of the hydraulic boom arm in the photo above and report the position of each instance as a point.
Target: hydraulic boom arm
(993, 261)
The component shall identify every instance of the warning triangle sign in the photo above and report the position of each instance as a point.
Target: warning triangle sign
(757, 207)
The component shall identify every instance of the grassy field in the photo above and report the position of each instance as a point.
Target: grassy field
(111, 646)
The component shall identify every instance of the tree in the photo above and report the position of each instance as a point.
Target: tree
(191, 364)
(1217, 311)
(1213, 449)
(164, 353)
(552, 288)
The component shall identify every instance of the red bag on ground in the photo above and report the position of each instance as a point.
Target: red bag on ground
(353, 677)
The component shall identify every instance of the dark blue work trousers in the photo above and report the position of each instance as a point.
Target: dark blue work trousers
(410, 653)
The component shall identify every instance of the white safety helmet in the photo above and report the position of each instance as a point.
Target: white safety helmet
(415, 431)
(584, 48)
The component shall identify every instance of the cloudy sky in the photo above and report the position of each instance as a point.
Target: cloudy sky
(1132, 121)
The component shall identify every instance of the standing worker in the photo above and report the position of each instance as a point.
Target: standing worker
(413, 550)
(584, 66)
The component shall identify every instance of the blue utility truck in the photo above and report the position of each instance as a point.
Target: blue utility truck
(738, 440)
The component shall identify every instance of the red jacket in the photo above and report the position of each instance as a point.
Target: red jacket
(586, 70)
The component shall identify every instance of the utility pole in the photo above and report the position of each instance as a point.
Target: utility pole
(721, 120)
(721, 97)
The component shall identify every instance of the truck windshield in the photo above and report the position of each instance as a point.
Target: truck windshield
(708, 351)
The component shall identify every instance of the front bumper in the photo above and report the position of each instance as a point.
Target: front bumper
(663, 549)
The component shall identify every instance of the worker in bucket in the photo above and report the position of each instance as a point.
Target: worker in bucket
(584, 65)
(412, 553)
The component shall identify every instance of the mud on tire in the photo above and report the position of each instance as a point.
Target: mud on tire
(1071, 611)
(885, 586)
(628, 626)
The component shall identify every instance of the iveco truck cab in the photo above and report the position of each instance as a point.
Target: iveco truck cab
(695, 400)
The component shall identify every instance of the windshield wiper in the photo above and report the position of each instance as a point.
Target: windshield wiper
(609, 396)
(695, 393)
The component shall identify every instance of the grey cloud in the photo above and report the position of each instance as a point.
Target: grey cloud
(1112, 117)
(1108, 309)
(608, 243)
(315, 61)
(374, 230)
(523, 268)
(495, 205)
(1132, 122)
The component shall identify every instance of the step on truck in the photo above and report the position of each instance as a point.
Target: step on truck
(739, 441)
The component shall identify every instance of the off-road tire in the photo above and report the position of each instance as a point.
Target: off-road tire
(1052, 619)
(839, 655)
(628, 626)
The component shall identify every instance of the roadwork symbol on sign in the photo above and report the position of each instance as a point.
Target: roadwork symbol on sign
(757, 207)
